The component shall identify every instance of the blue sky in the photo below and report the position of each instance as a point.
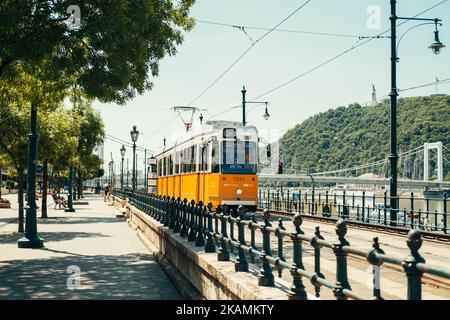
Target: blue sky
(209, 49)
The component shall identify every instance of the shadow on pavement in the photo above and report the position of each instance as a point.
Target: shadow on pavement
(51, 236)
(78, 220)
(131, 276)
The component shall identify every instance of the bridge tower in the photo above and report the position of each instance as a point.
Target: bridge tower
(426, 148)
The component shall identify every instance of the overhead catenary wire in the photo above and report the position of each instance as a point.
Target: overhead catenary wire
(125, 143)
(280, 30)
(356, 45)
(428, 84)
(243, 54)
(160, 129)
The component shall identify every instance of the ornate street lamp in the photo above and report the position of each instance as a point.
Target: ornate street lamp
(31, 238)
(436, 46)
(266, 115)
(122, 153)
(244, 104)
(134, 136)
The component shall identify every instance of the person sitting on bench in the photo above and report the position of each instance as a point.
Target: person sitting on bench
(58, 200)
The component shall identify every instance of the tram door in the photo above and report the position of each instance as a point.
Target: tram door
(152, 175)
(203, 172)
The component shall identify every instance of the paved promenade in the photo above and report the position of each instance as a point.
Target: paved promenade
(89, 254)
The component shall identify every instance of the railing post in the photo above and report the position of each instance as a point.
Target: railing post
(173, 210)
(314, 243)
(231, 221)
(210, 245)
(177, 224)
(192, 226)
(385, 209)
(444, 215)
(409, 264)
(376, 263)
(242, 263)
(298, 291)
(280, 246)
(341, 261)
(288, 202)
(265, 277)
(184, 219)
(167, 212)
(224, 253)
(200, 239)
(299, 201)
(252, 237)
(363, 206)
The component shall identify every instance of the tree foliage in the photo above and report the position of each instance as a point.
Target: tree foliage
(113, 53)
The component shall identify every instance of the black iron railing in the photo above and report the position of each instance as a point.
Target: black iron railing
(423, 213)
(215, 231)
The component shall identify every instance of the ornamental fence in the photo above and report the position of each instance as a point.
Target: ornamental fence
(215, 231)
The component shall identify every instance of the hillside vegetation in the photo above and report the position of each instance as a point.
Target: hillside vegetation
(355, 135)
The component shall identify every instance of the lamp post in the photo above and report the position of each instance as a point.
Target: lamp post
(31, 239)
(122, 153)
(134, 136)
(74, 183)
(145, 169)
(128, 173)
(70, 195)
(266, 115)
(436, 47)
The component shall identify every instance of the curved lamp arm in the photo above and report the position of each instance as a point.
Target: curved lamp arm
(413, 27)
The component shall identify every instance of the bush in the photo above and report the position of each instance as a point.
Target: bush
(3, 200)
(11, 184)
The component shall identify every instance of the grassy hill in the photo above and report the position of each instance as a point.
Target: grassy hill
(354, 135)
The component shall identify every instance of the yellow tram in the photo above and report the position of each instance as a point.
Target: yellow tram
(216, 162)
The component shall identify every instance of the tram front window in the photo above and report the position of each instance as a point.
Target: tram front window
(239, 157)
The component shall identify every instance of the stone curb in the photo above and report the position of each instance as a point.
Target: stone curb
(180, 282)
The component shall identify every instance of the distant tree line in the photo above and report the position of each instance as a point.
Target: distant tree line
(354, 135)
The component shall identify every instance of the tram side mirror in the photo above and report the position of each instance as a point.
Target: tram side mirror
(268, 151)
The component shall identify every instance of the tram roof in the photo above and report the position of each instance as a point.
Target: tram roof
(209, 128)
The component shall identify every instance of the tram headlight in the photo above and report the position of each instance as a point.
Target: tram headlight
(239, 192)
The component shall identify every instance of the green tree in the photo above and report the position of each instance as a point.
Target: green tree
(354, 135)
(18, 93)
(59, 129)
(113, 53)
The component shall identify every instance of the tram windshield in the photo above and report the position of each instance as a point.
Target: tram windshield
(239, 157)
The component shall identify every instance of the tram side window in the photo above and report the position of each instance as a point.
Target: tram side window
(193, 158)
(159, 168)
(215, 163)
(186, 161)
(177, 163)
(204, 159)
(164, 167)
(170, 165)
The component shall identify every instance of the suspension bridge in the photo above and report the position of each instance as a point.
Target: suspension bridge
(414, 171)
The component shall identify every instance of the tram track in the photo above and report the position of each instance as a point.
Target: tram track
(429, 235)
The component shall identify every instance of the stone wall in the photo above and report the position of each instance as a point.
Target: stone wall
(214, 280)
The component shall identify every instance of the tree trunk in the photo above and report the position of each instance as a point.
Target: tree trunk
(20, 180)
(80, 184)
(44, 190)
